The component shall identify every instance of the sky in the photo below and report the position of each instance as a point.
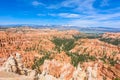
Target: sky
(83, 13)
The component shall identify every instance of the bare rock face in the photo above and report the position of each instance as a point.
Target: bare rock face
(57, 70)
(10, 65)
(96, 48)
(29, 42)
(66, 71)
(79, 74)
(62, 70)
(33, 41)
(117, 66)
(14, 64)
(111, 35)
(116, 71)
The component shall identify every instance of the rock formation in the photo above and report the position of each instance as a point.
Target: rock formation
(96, 48)
(14, 64)
(111, 35)
(79, 74)
(10, 65)
(58, 69)
(29, 41)
(24, 45)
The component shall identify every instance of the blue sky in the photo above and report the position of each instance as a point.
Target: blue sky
(83, 13)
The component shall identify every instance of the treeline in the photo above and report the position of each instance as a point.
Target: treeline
(63, 44)
(87, 35)
(111, 41)
(76, 58)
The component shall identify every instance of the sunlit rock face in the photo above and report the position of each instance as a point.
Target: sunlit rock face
(10, 65)
(111, 35)
(19, 49)
(62, 57)
(96, 48)
(79, 73)
(29, 42)
(14, 64)
(58, 69)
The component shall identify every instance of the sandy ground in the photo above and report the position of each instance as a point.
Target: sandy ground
(12, 76)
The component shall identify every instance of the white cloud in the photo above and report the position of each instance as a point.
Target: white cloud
(65, 15)
(75, 5)
(68, 15)
(65, 3)
(86, 6)
(87, 14)
(70, 3)
(36, 3)
(95, 23)
(106, 20)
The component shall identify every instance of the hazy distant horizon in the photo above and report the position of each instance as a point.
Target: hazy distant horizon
(60, 25)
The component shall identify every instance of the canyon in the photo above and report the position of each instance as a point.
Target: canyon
(51, 54)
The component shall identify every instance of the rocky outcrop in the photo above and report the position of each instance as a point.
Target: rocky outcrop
(111, 35)
(10, 65)
(92, 72)
(79, 74)
(14, 64)
(115, 71)
(96, 48)
(60, 70)
(29, 41)
(57, 70)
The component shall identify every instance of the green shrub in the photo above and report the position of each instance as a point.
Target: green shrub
(76, 58)
(87, 35)
(112, 62)
(111, 41)
(63, 44)
(117, 79)
(40, 61)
